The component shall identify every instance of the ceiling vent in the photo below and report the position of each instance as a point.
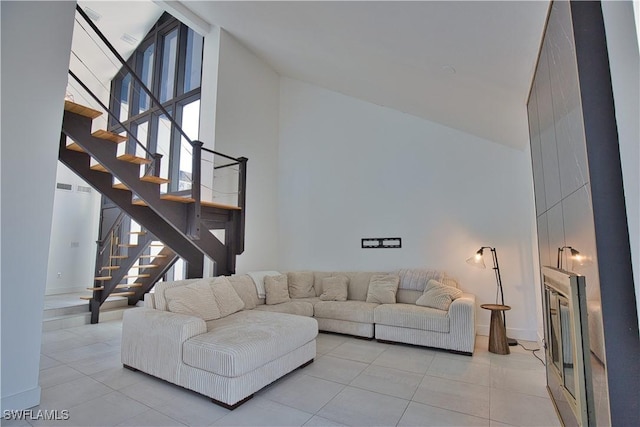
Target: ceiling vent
(128, 38)
(95, 16)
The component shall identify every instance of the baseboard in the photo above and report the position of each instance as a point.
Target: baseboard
(65, 290)
(23, 400)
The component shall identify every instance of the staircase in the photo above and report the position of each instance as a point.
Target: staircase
(180, 221)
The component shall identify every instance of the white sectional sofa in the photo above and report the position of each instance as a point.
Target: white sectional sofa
(230, 358)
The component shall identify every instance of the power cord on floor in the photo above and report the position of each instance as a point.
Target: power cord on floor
(533, 351)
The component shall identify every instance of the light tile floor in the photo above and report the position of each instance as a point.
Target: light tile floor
(352, 382)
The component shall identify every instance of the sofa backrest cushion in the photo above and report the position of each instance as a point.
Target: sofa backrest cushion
(209, 298)
(335, 288)
(246, 290)
(301, 284)
(160, 288)
(195, 299)
(227, 298)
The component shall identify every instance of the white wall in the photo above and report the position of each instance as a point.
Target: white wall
(36, 39)
(247, 125)
(74, 231)
(350, 169)
(624, 59)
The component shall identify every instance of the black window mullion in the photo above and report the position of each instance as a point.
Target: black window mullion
(181, 59)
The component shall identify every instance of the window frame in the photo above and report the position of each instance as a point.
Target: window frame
(164, 26)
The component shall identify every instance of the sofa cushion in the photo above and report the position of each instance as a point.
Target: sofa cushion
(359, 284)
(301, 308)
(354, 311)
(416, 279)
(383, 288)
(335, 288)
(227, 298)
(195, 299)
(437, 295)
(412, 316)
(301, 284)
(160, 288)
(246, 290)
(276, 289)
(247, 340)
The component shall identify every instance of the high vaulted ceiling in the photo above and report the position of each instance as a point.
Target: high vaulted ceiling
(465, 64)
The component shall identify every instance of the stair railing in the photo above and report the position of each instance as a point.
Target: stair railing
(110, 242)
(194, 220)
(154, 167)
(133, 74)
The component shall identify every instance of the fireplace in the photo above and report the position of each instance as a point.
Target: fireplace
(567, 347)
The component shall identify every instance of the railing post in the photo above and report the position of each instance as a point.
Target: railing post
(242, 202)
(196, 171)
(157, 159)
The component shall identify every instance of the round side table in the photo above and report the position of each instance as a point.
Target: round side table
(497, 334)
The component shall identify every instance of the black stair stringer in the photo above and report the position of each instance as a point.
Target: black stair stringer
(125, 264)
(163, 264)
(174, 214)
(143, 215)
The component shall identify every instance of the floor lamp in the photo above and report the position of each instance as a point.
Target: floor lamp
(478, 261)
(575, 256)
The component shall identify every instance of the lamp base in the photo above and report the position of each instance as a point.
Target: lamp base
(512, 341)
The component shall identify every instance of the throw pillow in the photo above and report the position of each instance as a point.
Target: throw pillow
(383, 288)
(276, 289)
(195, 299)
(437, 295)
(301, 284)
(246, 290)
(335, 288)
(227, 298)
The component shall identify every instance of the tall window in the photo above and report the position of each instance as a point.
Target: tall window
(169, 62)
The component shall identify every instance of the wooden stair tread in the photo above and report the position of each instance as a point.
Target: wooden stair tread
(139, 233)
(75, 147)
(119, 256)
(134, 159)
(114, 294)
(183, 199)
(153, 256)
(120, 286)
(174, 198)
(108, 136)
(133, 276)
(219, 205)
(139, 202)
(98, 167)
(102, 278)
(120, 186)
(72, 107)
(155, 179)
(157, 245)
(110, 267)
(127, 245)
(144, 266)
(122, 294)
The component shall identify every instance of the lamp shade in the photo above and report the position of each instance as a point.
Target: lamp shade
(477, 260)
